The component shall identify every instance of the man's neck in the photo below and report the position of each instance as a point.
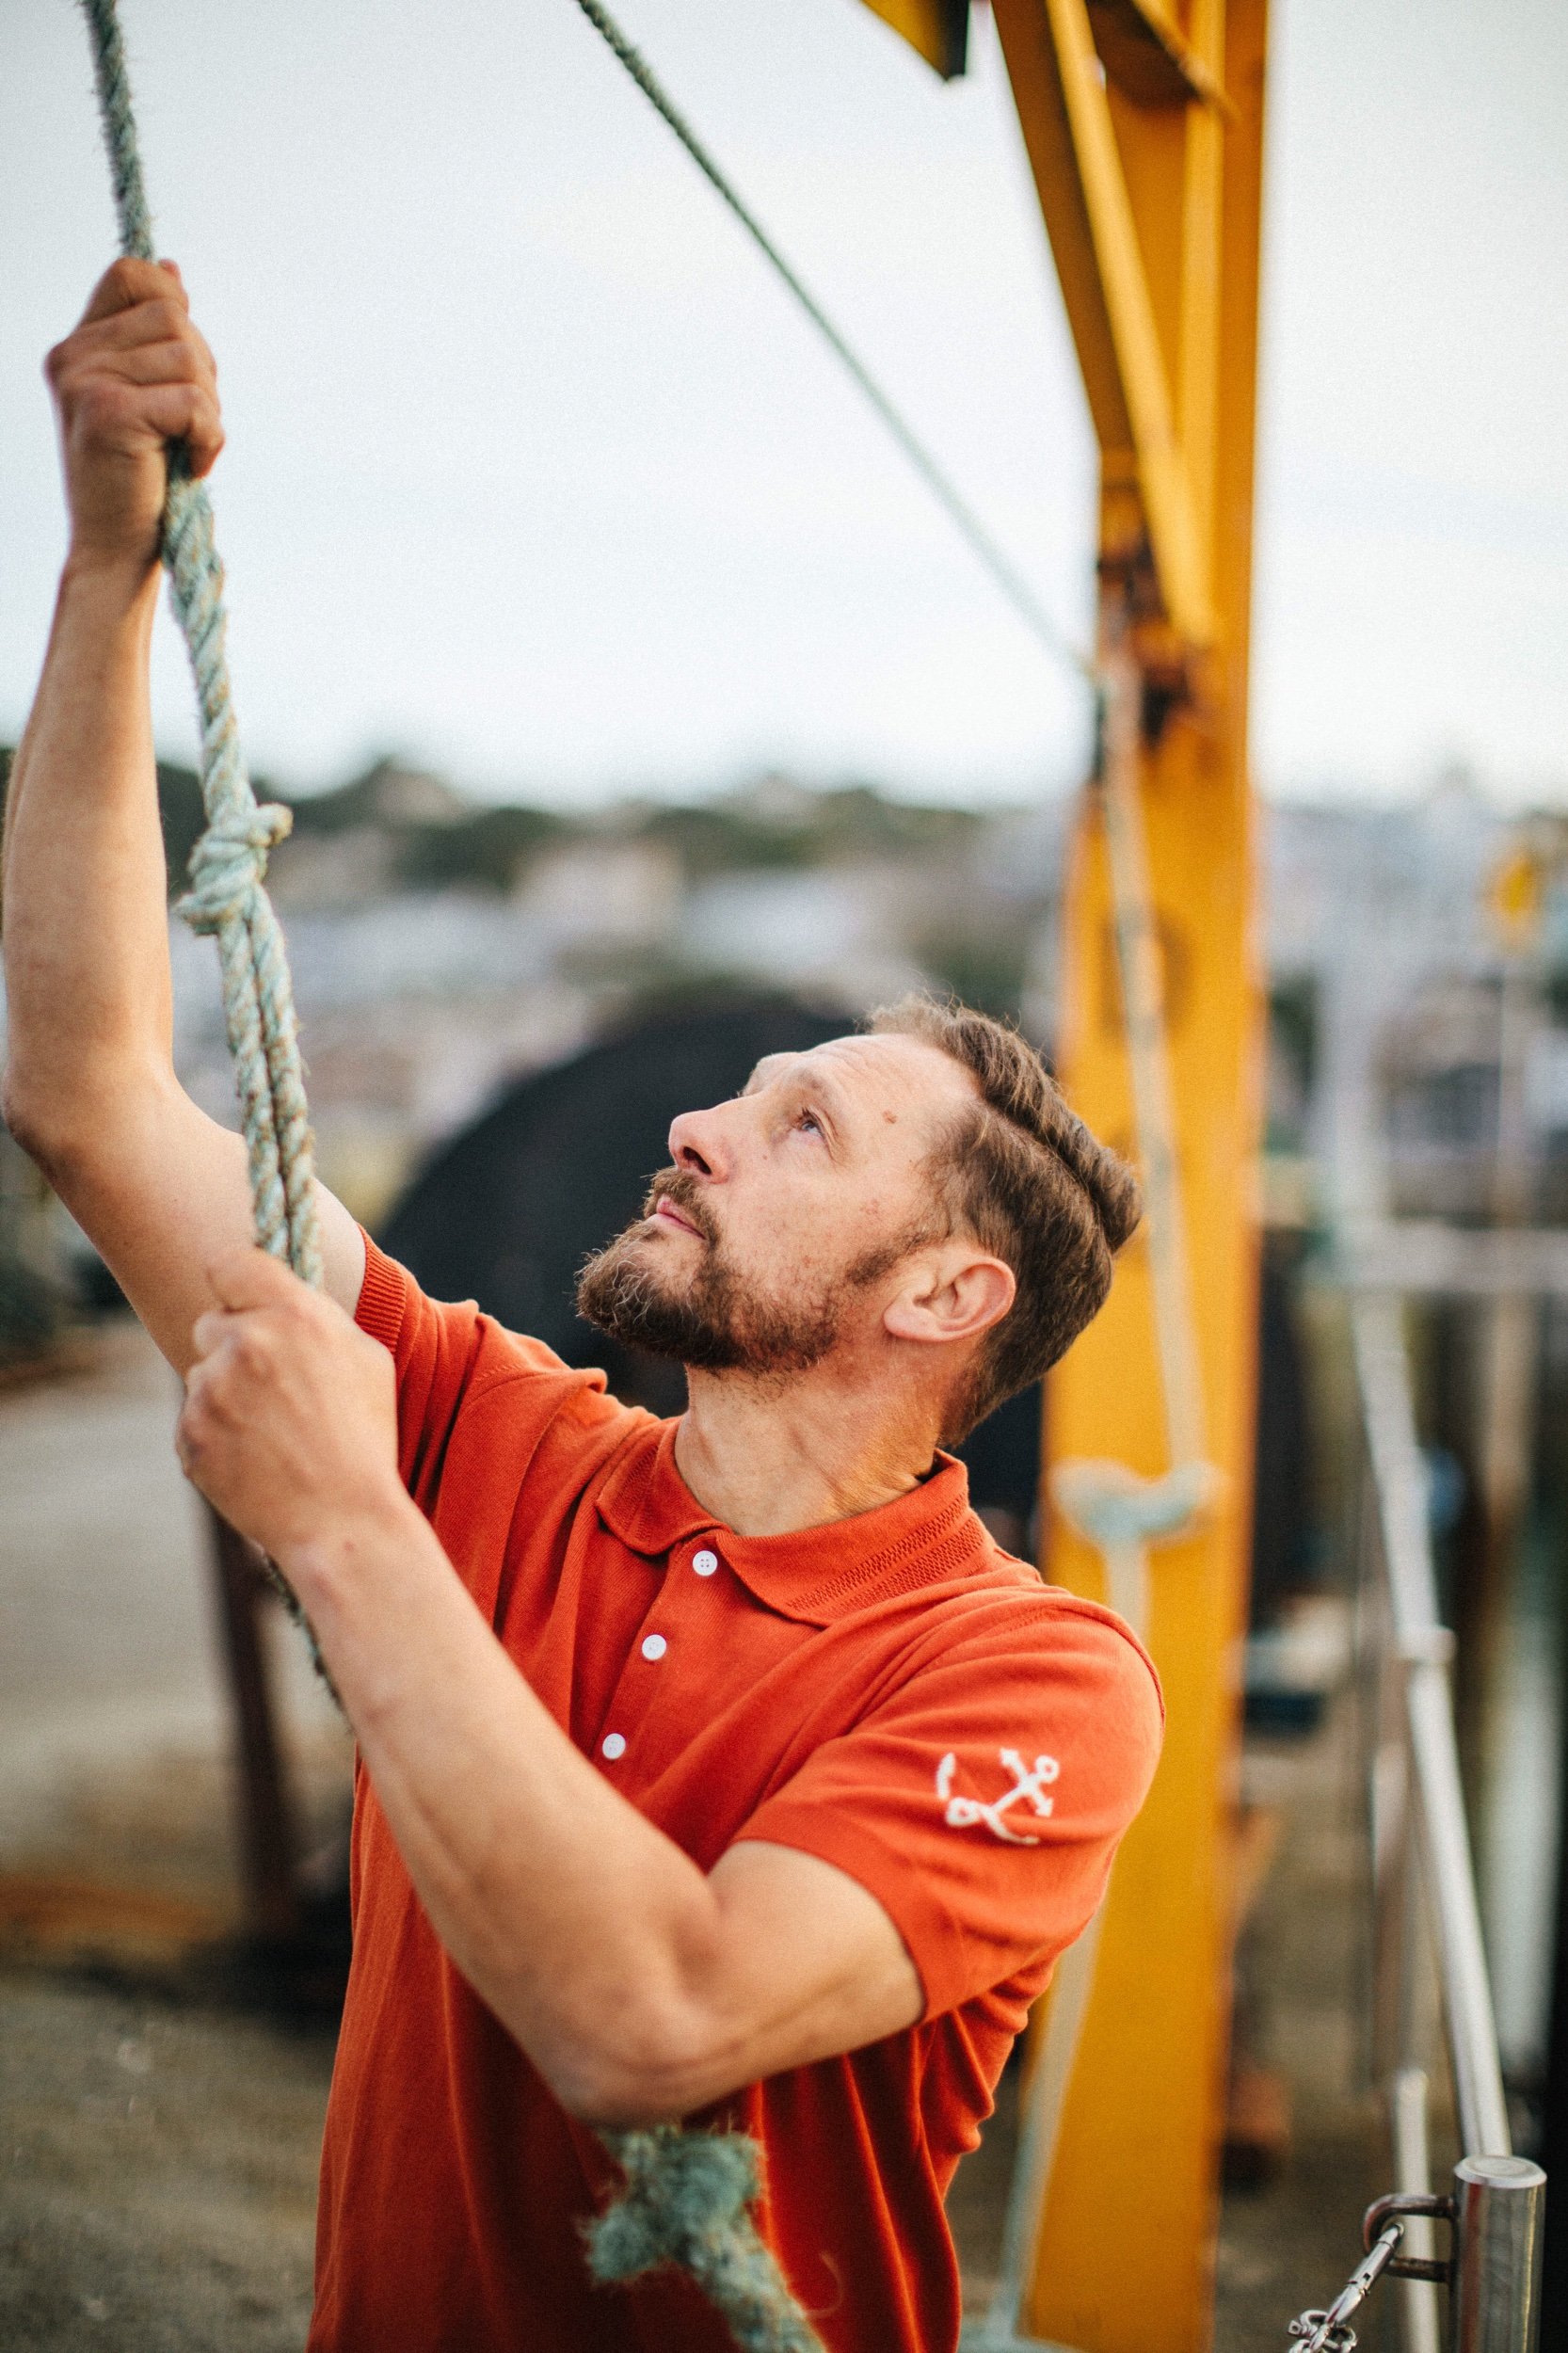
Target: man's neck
(770, 1456)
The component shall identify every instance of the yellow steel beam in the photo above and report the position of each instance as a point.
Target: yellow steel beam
(1148, 54)
(1065, 112)
(1144, 124)
(1173, 169)
(938, 30)
(1145, 49)
(1123, 2255)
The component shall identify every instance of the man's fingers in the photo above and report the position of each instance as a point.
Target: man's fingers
(135, 368)
(128, 282)
(186, 1443)
(152, 322)
(169, 361)
(211, 1327)
(183, 412)
(252, 1278)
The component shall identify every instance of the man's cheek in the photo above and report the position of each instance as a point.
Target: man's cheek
(795, 1260)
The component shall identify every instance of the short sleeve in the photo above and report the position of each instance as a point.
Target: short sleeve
(983, 1802)
(450, 1357)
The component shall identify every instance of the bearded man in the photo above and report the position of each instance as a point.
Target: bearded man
(720, 1768)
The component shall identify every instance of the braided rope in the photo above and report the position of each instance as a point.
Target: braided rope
(687, 2194)
(687, 2202)
(227, 897)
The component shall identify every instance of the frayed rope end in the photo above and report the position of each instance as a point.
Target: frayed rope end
(682, 2189)
(686, 2203)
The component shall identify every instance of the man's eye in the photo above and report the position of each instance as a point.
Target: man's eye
(810, 1119)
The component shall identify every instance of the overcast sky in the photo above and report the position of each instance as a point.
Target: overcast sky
(536, 475)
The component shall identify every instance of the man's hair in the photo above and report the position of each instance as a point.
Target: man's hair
(1023, 1175)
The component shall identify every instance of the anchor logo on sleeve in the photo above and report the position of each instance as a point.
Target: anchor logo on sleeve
(964, 1813)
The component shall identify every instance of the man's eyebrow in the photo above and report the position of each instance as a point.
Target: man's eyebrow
(817, 1078)
(821, 1081)
(756, 1079)
(808, 1072)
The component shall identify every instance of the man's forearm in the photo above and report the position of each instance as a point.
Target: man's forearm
(584, 1928)
(85, 927)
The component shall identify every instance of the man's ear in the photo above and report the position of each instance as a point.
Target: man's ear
(950, 1296)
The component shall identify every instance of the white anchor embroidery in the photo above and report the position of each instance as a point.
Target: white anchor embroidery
(964, 1813)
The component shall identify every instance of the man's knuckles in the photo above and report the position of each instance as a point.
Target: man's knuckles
(129, 280)
(253, 1284)
(162, 320)
(108, 396)
(105, 412)
(249, 1354)
(251, 1277)
(194, 1432)
(303, 1328)
(235, 1355)
(158, 320)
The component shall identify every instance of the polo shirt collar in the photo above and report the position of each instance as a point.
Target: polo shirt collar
(814, 1575)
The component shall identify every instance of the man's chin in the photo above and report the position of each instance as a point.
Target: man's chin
(634, 1293)
(646, 1247)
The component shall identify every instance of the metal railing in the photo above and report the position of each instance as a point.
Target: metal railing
(1425, 1909)
(1427, 1924)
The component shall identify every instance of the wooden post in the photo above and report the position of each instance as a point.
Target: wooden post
(268, 1843)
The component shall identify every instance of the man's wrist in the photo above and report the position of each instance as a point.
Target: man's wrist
(117, 586)
(326, 1562)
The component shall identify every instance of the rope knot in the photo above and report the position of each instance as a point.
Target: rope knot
(228, 862)
(684, 2191)
(687, 2201)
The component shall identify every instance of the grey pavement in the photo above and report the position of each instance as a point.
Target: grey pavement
(110, 1671)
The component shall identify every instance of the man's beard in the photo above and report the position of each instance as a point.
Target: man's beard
(709, 1321)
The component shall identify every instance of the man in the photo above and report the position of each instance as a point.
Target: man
(720, 1768)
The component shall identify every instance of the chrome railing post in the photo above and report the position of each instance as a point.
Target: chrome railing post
(1499, 2204)
(1412, 2179)
(1500, 2210)
(1423, 1646)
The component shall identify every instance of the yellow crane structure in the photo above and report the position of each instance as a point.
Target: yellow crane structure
(1143, 120)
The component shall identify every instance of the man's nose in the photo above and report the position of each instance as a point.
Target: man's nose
(698, 1141)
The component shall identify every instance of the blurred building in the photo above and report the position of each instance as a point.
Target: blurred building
(443, 949)
(1410, 1026)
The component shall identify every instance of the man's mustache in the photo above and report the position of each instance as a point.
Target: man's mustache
(683, 1192)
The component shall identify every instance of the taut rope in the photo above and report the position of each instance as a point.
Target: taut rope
(1019, 595)
(226, 897)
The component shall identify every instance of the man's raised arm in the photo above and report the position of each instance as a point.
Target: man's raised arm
(89, 1086)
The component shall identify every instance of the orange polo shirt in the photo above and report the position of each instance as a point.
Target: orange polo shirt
(891, 1692)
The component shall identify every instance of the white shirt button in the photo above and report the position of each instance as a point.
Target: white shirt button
(654, 1646)
(705, 1562)
(614, 1744)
